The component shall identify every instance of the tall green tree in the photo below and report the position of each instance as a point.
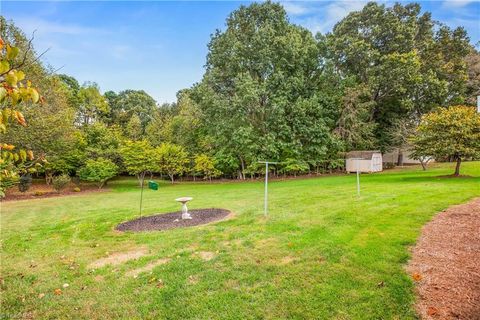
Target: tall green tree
(128, 103)
(408, 63)
(260, 97)
(92, 105)
(472, 61)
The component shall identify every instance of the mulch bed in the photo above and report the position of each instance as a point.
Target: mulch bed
(445, 264)
(173, 220)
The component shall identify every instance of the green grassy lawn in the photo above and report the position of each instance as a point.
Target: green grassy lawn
(323, 253)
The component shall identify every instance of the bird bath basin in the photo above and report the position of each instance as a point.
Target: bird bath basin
(183, 201)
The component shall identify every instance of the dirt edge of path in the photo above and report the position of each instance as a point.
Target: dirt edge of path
(444, 264)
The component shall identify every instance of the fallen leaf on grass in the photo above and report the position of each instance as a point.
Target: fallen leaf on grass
(160, 284)
(57, 291)
(66, 285)
(432, 311)
(152, 280)
(41, 295)
(417, 276)
(381, 284)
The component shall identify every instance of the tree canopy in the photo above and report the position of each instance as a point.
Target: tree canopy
(271, 91)
(449, 133)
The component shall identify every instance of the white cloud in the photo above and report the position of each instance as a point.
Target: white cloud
(457, 3)
(295, 8)
(328, 14)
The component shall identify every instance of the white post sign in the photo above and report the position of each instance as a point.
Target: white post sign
(357, 163)
(266, 185)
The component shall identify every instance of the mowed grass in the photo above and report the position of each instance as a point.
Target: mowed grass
(322, 253)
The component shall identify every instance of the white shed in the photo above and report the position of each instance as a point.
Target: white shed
(367, 161)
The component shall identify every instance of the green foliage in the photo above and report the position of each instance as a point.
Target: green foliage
(102, 141)
(129, 103)
(448, 133)
(408, 65)
(472, 60)
(92, 105)
(60, 182)
(205, 166)
(171, 159)
(16, 93)
(99, 171)
(139, 158)
(134, 128)
(254, 103)
(294, 166)
(271, 91)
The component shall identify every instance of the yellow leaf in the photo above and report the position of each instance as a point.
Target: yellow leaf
(34, 94)
(20, 118)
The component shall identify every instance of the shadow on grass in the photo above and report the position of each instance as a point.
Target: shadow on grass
(442, 178)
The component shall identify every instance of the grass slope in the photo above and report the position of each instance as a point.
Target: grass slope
(323, 253)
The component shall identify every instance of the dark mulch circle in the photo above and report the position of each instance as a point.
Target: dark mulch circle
(173, 220)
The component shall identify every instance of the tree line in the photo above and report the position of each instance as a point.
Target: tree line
(271, 90)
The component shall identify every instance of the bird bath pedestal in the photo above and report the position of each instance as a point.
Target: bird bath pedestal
(184, 200)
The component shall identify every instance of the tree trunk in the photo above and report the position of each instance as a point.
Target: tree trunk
(141, 178)
(242, 174)
(457, 167)
(171, 177)
(400, 158)
(424, 165)
(48, 178)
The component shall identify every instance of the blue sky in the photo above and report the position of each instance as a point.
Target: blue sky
(161, 46)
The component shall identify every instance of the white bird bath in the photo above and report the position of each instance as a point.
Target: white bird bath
(184, 200)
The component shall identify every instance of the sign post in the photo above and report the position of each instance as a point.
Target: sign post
(266, 185)
(357, 163)
(151, 185)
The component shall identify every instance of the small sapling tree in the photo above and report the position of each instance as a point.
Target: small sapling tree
(60, 182)
(171, 159)
(138, 158)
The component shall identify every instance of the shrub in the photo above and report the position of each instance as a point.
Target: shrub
(388, 165)
(24, 183)
(60, 182)
(293, 166)
(76, 189)
(76, 180)
(98, 171)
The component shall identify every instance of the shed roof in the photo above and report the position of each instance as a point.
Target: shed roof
(363, 154)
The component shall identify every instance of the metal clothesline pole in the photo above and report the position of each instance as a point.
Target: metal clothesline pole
(265, 213)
